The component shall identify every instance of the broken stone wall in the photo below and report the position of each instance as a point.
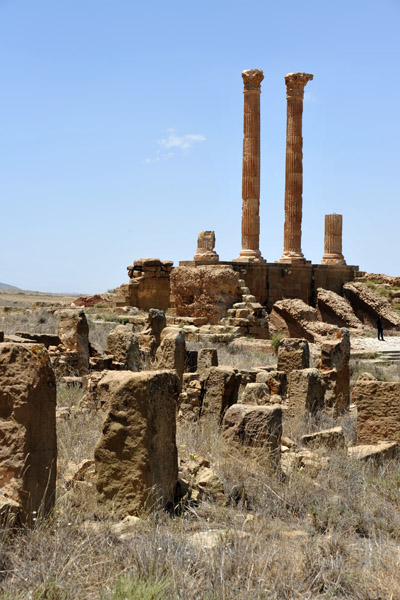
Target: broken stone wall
(149, 285)
(204, 291)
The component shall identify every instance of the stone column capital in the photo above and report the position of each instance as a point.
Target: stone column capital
(252, 79)
(295, 84)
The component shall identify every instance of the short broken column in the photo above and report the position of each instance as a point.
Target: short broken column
(205, 252)
(136, 456)
(28, 441)
(250, 251)
(293, 354)
(295, 84)
(333, 241)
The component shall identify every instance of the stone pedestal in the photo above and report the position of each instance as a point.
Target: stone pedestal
(333, 241)
(205, 253)
(295, 84)
(250, 251)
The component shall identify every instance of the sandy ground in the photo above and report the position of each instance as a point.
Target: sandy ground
(369, 344)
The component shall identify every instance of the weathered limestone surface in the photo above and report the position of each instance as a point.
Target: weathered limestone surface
(305, 392)
(28, 442)
(150, 337)
(334, 365)
(205, 291)
(333, 241)
(207, 357)
(149, 285)
(221, 388)
(367, 304)
(295, 318)
(136, 456)
(379, 452)
(293, 354)
(332, 438)
(295, 84)
(378, 411)
(336, 310)
(123, 344)
(255, 393)
(73, 331)
(205, 252)
(255, 426)
(250, 251)
(275, 380)
(171, 353)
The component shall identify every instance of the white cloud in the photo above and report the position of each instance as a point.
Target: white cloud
(184, 142)
(173, 143)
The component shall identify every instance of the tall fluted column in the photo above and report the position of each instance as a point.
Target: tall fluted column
(295, 84)
(333, 241)
(250, 251)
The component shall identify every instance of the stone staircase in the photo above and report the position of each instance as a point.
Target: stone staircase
(248, 317)
(389, 356)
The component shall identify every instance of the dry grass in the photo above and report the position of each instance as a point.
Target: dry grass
(321, 532)
(238, 357)
(317, 533)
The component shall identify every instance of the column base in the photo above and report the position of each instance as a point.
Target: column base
(292, 257)
(333, 259)
(250, 256)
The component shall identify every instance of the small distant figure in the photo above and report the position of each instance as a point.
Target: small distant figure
(380, 328)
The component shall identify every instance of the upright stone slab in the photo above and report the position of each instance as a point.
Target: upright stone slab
(305, 392)
(123, 344)
(207, 357)
(378, 411)
(293, 354)
(334, 365)
(171, 353)
(73, 330)
(136, 456)
(221, 388)
(28, 442)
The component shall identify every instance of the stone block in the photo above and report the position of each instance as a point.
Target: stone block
(221, 387)
(28, 442)
(207, 357)
(378, 411)
(136, 455)
(275, 380)
(259, 426)
(305, 392)
(171, 353)
(123, 344)
(73, 331)
(293, 354)
(332, 438)
(255, 393)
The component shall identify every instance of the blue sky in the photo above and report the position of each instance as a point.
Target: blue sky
(121, 131)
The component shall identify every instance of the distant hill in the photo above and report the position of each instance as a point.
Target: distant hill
(5, 286)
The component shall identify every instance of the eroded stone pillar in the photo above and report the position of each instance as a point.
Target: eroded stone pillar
(333, 241)
(205, 252)
(250, 251)
(295, 84)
